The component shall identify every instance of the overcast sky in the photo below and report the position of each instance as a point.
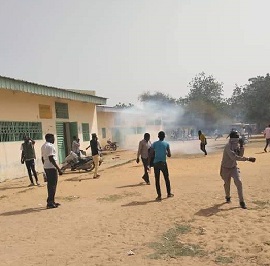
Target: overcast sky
(123, 48)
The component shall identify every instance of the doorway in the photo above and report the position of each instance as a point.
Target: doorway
(64, 136)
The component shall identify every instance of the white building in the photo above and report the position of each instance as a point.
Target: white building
(36, 109)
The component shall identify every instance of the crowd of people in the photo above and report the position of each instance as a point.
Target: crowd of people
(151, 154)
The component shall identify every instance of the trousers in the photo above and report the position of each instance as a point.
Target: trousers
(30, 165)
(227, 174)
(96, 162)
(52, 179)
(145, 167)
(162, 167)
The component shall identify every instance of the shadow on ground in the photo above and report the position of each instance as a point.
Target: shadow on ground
(207, 212)
(24, 211)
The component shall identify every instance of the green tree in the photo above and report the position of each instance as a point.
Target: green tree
(123, 105)
(157, 97)
(205, 101)
(253, 100)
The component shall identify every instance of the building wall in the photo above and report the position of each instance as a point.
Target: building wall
(127, 129)
(19, 106)
(105, 121)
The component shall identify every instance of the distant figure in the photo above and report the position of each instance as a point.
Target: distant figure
(203, 140)
(143, 149)
(217, 134)
(233, 152)
(76, 146)
(95, 149)
(28, 157)
(249, 131)
(267, 137)
(51, 168)
(162, 149)
(243, 132)
(192, 133)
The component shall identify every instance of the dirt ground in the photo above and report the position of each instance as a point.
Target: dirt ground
(103, 221)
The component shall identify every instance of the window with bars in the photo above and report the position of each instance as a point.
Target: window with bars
(85, 132)
(14, 131)
(61, 110)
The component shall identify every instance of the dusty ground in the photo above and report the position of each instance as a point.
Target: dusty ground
(101, 220)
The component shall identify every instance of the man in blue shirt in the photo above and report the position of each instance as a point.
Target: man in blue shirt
(162, 149)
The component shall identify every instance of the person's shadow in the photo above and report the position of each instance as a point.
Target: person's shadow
(24, 211)
(15, 187)
(207, 212)
(139, 203)
(133, 185)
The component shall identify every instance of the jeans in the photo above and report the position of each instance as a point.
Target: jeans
(162, 166)
(30, 165)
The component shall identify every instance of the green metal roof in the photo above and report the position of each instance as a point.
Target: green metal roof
(29, 87)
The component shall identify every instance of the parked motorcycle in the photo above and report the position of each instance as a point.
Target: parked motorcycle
(74, 162)
(110, 146)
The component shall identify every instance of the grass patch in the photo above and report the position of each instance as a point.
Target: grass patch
(69, 198)
(261, 204)
(223, 260)
(170, 247)
(115, 197)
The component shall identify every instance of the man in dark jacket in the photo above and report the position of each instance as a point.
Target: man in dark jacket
(28, 157)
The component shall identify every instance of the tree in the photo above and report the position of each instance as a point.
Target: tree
(204, 102)
(157, 97)
(205, 88)
(253, 100)
(123, 105)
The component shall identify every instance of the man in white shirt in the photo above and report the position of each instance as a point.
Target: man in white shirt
(143, 148)
(267, 137)
(48, 156)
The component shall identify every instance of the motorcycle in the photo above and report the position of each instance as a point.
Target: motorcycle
(74, 162)
(110, 146)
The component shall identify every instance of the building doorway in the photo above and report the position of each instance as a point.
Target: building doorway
(64, 136)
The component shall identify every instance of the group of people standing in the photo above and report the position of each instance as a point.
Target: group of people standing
(49, 160)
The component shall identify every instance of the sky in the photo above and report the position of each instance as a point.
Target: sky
(124, 48)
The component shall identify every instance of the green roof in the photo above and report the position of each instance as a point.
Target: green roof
(29, 87)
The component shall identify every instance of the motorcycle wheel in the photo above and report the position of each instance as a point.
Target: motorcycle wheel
(114, 147)
(91, 167)
(107, 147)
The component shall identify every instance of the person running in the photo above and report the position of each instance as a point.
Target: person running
(51, 168)
(95, 149)
(28, 157)
(203, 140)
(266, 134)
(143, 150)
(161, 149)
(233, 152)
